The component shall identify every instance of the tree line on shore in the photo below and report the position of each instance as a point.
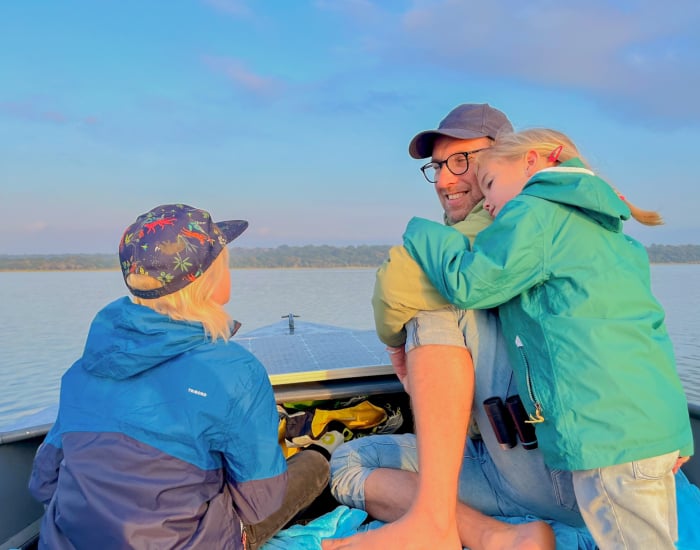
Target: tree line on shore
(309, 256)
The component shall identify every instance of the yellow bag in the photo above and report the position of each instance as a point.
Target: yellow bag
(302, 428)
(362, 415)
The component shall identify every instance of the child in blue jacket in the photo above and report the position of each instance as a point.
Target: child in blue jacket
(166, 435)
(586, 337)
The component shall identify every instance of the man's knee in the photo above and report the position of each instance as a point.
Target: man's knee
(348, 474)
(354, 461)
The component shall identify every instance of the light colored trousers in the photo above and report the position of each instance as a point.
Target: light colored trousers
(630, 506)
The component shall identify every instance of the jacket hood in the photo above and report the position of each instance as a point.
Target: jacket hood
(126, 339)
(573, 185)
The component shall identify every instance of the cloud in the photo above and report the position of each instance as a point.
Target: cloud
(636, 59)
(33, 111)
(359, 10)
(236, 72)
(28, 111)
(237, 8)
(35, 227)
(366, 101)
(263, 231)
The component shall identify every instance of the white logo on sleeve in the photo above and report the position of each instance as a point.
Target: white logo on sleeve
(197, 392)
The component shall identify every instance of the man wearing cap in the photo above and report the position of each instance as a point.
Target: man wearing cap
(380, 473)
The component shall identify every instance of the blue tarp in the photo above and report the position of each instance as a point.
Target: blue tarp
(688, 496)
(344, 521)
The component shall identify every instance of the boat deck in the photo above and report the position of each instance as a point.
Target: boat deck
(305, 361)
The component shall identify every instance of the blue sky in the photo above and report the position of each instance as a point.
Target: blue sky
(296, 115)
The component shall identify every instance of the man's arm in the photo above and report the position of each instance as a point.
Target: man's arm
(402, 289)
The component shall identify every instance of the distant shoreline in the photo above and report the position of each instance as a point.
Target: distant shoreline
(287, 257)
(87, 270)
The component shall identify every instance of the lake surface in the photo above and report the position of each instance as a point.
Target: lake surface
(46, 315)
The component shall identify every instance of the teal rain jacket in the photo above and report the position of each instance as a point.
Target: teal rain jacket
(586, 337)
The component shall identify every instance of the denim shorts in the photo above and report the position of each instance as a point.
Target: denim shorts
(512, 482)
(631, 505)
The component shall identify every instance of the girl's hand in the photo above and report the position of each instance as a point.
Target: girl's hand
(681, 460)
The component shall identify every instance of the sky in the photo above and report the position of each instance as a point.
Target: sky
(296, 115)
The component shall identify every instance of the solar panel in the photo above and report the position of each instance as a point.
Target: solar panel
(316, 351)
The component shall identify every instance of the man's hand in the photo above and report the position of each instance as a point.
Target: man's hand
(398, 361)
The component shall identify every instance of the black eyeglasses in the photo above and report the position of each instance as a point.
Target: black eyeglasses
(457, 163)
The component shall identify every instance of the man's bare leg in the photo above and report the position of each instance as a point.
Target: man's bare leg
(389, 494)
(442, 385)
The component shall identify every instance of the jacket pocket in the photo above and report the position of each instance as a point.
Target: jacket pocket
(655, 467)
(563, 486)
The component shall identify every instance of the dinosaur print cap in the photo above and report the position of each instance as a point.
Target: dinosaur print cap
(175, 244)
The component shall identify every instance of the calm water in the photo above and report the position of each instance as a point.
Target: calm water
(46, 316)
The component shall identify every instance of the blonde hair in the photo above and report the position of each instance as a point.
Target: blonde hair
(193, 302)
(515, 145)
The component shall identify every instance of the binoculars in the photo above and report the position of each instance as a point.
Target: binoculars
(509, 421)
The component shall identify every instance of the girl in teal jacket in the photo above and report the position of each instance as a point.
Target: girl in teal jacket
(586, 337)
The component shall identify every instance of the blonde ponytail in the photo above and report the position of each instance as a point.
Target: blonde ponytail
(546, 142)
(646, 217)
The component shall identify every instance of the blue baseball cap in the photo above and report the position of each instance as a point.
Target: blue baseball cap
(466, 121)
(175, 244)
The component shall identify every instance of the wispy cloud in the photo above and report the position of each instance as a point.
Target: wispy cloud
(367, 101)
(359, 10)
(29, 111)
(237, 8)
(35, 227)
(636, 59)
(33, 111)
(245, 79)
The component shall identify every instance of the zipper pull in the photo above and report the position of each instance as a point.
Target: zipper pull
(537, 418)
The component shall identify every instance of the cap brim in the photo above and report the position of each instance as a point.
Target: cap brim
(232, 228)
(422, 144)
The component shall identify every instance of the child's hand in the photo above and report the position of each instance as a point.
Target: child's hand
(681, 460)
(398, 361)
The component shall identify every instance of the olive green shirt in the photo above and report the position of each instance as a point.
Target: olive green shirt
(402, 289)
